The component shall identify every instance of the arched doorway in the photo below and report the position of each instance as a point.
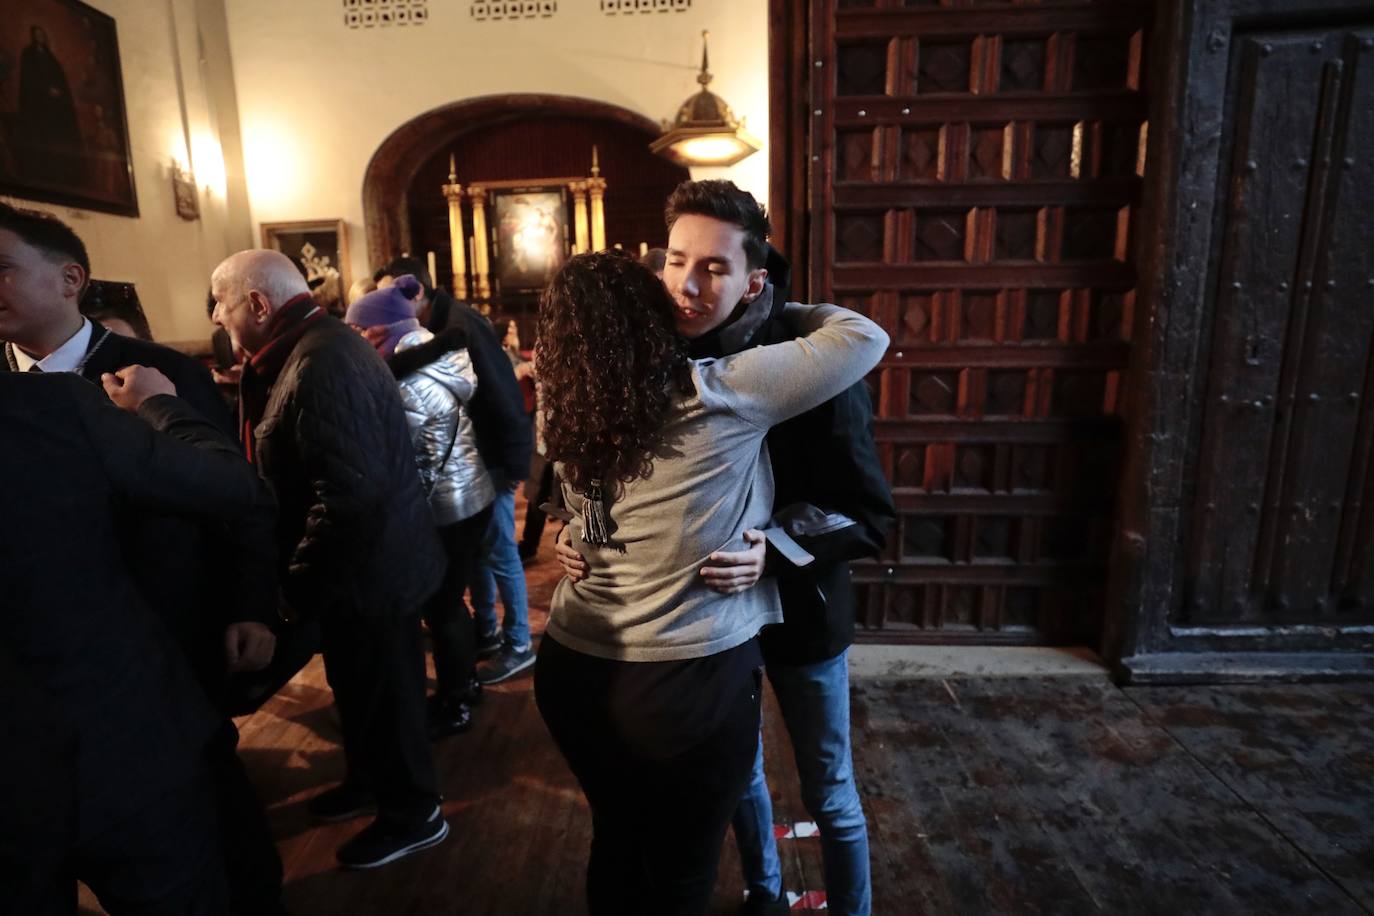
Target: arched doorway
(512, 137)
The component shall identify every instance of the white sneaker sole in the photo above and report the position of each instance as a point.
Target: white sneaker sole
(505, 675)
(404, 851)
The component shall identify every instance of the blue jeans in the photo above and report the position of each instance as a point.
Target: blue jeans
(498, 567)
(814, 700)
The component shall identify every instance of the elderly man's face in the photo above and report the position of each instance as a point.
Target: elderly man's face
(234, 312)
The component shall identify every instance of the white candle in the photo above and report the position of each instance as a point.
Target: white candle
(433, 273)
(643, 249)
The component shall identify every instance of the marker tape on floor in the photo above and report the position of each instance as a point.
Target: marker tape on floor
(807, 900)
(801, 830)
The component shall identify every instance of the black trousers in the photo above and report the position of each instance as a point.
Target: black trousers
(452, 631)
(657, 821)
(251, 861)
(166, 862)
(376, 668)
(535, 516)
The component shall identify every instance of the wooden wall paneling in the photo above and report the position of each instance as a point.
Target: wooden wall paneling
(790, 72)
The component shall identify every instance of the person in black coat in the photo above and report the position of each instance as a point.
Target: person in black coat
(126, 804)
(322, 419)
(505, 437)
(211, 581)
(505, 440)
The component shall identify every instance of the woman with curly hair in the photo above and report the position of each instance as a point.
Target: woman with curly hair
(648, 675)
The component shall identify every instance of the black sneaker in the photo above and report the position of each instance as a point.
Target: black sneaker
(759, 905)
(505, 666)
(491, 644)
(340, 804)
(381, 843)
(447, 717)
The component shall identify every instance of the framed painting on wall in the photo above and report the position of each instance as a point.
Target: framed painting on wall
(64, 131)
(321, 245)
(530, 236)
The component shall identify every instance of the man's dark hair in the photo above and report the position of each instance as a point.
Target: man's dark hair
(113, 299)
(407, 265)
(46, 233)
(722, 200)
(654, 259)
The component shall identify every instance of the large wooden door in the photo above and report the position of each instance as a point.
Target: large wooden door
(1283, 509)
(1246, 541)
(967, 173)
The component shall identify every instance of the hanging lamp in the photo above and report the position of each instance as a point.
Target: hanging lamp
(706, 131)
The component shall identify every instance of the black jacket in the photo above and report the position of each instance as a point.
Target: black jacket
(198, 574)
(354, 531)
(73, 618)
(824, 457)
(505, 435)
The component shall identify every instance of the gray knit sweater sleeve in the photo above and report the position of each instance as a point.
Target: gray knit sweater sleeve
(770, 384)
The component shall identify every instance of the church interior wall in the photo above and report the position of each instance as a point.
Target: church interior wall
(168, 258)
(317, 97)
(285, 104)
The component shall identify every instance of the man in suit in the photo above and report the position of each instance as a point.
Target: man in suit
(109, 783)
(212, 583)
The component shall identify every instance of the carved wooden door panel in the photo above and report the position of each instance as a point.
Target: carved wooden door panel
(972, 177)
(1282, 523)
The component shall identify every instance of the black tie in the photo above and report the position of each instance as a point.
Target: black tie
(35, 368)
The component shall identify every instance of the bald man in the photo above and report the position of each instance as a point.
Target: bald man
(322, 419)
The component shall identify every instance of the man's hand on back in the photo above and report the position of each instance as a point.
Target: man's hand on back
(574, 567)
(738, 571)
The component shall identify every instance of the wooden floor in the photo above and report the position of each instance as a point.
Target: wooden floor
(984, 796)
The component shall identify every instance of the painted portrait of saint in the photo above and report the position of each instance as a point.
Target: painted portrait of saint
(63, 130)
(531, 238)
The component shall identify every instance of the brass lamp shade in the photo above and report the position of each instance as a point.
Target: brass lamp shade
(706, 131)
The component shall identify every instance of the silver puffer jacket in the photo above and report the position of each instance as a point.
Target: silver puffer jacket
(436, 398)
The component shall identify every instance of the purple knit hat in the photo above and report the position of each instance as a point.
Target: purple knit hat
(393, 307)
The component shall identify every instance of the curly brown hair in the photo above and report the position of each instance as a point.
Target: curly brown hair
(610, 365)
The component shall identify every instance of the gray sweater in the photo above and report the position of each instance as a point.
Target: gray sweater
(644, 598)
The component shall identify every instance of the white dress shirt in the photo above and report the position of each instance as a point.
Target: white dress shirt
(66, 358)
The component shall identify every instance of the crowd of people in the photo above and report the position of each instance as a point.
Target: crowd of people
(706, 445)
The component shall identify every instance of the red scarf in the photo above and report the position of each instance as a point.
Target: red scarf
(284, 330)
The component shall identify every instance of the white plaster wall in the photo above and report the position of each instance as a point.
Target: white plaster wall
(169, 258)
(317, 98)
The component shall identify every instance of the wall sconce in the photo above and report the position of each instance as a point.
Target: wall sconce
(185, 192)
(706, 131)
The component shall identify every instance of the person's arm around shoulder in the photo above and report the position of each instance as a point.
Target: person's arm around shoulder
(175, 458)
(769, 384)
(249, 549)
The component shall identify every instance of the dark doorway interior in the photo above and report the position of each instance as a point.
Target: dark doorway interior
(504, 137)
(515, 137)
